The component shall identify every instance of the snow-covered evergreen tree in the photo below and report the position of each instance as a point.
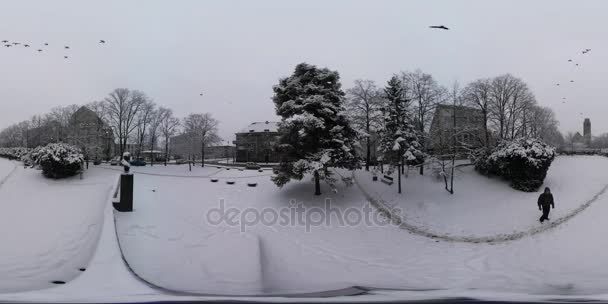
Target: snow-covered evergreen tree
(315, 132)
(399, 142)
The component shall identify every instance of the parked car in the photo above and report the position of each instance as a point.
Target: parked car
(181, 161)
(252, 166)
(138, 162)
(115, 161)
(97, 162)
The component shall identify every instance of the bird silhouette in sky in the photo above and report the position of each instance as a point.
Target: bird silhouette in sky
(102, 41)
(201, 94)
(16, 43)
(67, 47)
(46, 43)
(571, 80)
(39, 50)
(569, 60)
(585, 51)
(7, 45)
(66, 57)
(4, 41)
(439, 27)
(557, 84)
(577, 64)
(26, 45)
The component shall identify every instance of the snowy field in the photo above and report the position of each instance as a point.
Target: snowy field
(48, 229)
(482, 206)
(169, 242)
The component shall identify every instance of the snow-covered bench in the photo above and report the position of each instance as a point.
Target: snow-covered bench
(387, 180)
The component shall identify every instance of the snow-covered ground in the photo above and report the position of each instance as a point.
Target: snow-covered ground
(48, 228)
(483, 206)
(169, 242)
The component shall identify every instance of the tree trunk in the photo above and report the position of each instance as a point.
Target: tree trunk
(317, 183)
(399, 181)
(203, 153)
(166, 151)
(369, 155)
(151, 152)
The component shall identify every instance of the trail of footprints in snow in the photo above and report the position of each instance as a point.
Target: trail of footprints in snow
(386, 210)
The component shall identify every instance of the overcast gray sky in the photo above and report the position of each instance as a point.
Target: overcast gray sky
(234, 51)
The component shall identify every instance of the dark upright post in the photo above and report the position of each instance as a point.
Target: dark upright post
(126, 193)
(126, 186)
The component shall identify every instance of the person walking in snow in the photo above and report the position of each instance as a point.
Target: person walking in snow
(545, 201)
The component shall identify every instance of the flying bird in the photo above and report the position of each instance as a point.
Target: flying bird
(201, 94)
(4, 41)
(102, 41)
(26, 45)
(46, 43)
(7, 45)
(16, 43)
(577, 64)
(439, 27)
(39, 50)
(66, 57)
(585, 51)
(571, 80)
(557, 84)
(66, 47)
(569, 60)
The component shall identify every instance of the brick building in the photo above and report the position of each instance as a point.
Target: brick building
(469, 131)
(255, 143)
(89, 132)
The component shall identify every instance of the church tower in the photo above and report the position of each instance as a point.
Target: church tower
(587, 131)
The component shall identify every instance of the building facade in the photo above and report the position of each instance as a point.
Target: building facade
(468, 132)
(90, 133)
(256, 143)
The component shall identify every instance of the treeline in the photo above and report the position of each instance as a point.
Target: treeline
(132, 118)
(508, 108)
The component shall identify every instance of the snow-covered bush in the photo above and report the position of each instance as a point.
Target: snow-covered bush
(13, 153)
(524, 162)
(59, 160)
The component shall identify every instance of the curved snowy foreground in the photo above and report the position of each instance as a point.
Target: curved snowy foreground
(48, 228)
(171, 242)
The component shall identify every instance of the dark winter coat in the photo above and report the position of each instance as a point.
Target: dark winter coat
(545, 200)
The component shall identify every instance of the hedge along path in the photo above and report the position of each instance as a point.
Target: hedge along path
(396, 218)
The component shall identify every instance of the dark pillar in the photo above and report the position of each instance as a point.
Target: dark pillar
(126, 194)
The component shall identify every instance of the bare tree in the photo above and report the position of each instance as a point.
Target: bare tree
(426, 93)
(202, 127)
(143, 120)
(156, 121)
(364, 103)
(121, 108)
(478, 95)
(168, 128)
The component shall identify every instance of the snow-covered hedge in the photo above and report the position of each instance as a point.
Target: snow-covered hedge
(58, 160)
(524, 162)
(13, 153)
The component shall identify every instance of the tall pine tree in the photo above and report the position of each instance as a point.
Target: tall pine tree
(315, 132)
(399, 143)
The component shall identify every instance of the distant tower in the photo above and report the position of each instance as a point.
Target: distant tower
(587, 131)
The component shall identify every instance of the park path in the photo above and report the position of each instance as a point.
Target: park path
(5, 178)
(394, 216)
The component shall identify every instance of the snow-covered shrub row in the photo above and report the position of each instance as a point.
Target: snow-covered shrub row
(524, 162)
(59, 160)
(13, 153)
